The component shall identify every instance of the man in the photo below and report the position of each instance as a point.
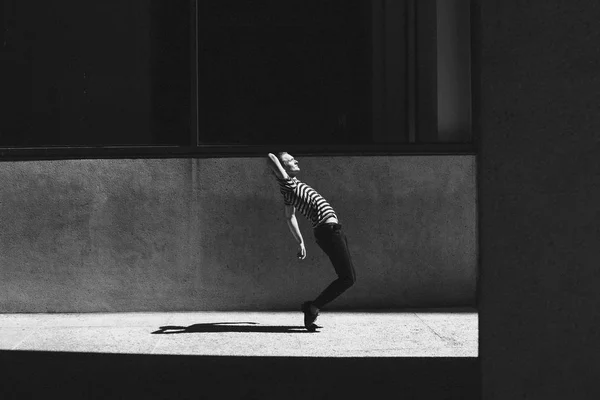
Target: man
(326, 227)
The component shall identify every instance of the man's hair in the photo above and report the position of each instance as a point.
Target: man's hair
(280, 155)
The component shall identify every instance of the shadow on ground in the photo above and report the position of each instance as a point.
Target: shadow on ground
(229, 327)
(31, 374)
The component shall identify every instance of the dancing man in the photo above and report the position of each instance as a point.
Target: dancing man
(326, 228)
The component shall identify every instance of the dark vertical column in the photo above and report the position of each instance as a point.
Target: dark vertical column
(426, 71)
(378, 71)
(395, 67)
(194, 134)
(411, 69)
(539, 199)
(389, 61)
(453, 71)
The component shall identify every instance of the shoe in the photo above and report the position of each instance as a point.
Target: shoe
(309, 317)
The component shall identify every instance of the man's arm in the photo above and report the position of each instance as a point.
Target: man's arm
(276, 166)
(290, 214)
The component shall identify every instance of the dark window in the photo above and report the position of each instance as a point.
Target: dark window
(93, 73)
(333, 72)
(163, 78)
(293, 72)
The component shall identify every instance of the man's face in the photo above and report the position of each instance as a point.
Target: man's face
(290, 164)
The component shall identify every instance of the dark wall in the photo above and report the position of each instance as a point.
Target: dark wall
(539, 198)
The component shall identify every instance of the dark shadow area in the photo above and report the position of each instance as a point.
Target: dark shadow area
(229, 327)
(30, 374)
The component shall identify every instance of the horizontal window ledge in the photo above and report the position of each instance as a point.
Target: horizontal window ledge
(219, 151)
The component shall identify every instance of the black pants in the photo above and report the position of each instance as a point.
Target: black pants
(332, 240)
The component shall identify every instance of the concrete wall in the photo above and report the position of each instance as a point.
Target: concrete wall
(209, 234)
(539, 198)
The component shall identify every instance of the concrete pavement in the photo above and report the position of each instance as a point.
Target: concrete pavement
(424, 333)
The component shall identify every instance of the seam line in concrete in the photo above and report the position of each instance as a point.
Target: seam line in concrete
(33, 331)
(433, 330)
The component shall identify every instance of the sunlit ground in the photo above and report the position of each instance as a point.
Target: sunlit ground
(425, 333)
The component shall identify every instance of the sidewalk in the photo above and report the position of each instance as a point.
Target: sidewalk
(264, 334)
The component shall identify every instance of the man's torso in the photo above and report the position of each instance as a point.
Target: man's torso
(308, 201)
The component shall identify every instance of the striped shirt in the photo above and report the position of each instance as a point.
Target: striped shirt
(310, 203)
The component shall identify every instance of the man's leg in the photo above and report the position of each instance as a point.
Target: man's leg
(334, 243)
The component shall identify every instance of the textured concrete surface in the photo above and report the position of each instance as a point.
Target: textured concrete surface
(539, 199)
(277, 334)
(209, 234)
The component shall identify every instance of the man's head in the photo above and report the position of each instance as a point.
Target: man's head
(289, 163)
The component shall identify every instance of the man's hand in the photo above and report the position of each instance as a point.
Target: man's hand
(301, 252)
(276, 166)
